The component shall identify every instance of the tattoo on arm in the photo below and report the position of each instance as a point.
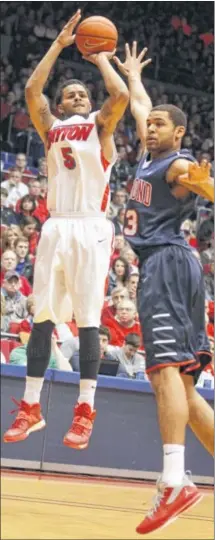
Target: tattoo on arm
(44, 113)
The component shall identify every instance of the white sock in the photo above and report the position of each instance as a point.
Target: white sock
(33, 387)
(173, 468)
(87, 391)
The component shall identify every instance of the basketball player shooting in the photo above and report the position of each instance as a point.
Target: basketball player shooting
(76, 242)
(171, 291)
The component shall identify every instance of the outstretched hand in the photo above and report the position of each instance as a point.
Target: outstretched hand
(66, 36)
(199, 174)
(96, 57)
(133, 64)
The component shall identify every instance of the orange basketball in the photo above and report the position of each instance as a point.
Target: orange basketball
(96, 34)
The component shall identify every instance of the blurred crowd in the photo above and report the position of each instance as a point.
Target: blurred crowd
(179, 56)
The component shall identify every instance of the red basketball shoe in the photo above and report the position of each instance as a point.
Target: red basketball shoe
(169, 503)
(79, 434)
(29, 419)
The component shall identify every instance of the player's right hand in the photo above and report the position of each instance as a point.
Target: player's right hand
(133, 64)
(66, 36)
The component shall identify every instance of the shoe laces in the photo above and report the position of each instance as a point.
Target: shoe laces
(84, 412)
(161, 492)
(156, 502)
(21, 419)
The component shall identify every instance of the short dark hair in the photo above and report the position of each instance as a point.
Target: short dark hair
(104, 331)
(28, 220)
(59, 93)
(177, 116)
(133, 339)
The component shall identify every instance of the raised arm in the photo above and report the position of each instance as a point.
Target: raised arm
(140, 101)
(186, 176)
(38, 105)
(115, 105)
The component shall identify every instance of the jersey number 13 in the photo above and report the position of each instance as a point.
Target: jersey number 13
(131, 223)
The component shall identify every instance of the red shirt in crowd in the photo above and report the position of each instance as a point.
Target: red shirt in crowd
(114, 256)
(108, 313)
(41, 212)
(119, 332)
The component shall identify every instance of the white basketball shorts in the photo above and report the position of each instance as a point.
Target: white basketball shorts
(71, 267)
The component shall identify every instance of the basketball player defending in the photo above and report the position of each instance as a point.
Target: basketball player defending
(76, 242)
(171, 293)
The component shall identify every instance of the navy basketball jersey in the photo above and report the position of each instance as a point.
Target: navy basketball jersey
(153, 215)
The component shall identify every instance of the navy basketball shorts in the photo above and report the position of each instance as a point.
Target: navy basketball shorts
(171, 305)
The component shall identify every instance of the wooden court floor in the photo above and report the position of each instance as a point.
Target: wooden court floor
(35, 507)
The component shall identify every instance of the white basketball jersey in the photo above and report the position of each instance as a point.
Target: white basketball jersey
(78, 174)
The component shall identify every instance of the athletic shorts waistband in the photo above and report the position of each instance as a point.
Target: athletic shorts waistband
(78, 215)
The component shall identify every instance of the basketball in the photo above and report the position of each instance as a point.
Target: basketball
(96, 34)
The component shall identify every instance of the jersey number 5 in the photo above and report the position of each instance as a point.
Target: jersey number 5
(68, 158)
(131, 223)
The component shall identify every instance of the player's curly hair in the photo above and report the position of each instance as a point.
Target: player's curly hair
(177, 116)
(59, 94)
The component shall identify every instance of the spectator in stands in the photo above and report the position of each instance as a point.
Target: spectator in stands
(8, 216)
(120, 171)
(119, 199)
(118, 221)
(187, 230)
(24, 265)
(4, 318)
(104, 338)
(15, 301)
(131, 363)
(118, 274)
(119, 243)
(25, 326)
(15, 187)
(42, 169)
(132, 285)
(9, 262)
(43, 187)
(21, 166)
(28, 207)
(37, 192)
(28, 228)
(9, 236)
(109, 311)
(128, 254)
(124, 323)
(205, 236)
(18, 357)
(34, 188)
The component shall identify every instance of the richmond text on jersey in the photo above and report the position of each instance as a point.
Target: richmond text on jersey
(153, 215)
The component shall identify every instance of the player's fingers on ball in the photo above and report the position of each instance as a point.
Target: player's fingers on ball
(142, 54)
